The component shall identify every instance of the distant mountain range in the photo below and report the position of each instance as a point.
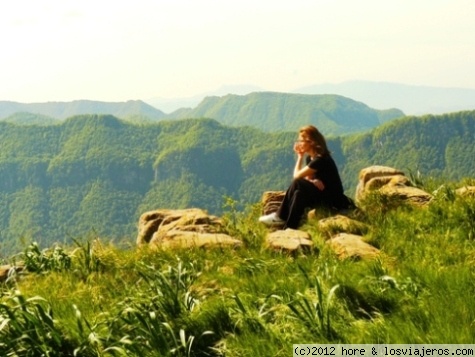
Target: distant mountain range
(411, 99)
(336, 108)
(169, 105)
(269, 111)
(131, 109)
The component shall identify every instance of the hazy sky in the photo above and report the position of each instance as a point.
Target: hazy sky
(61, 50)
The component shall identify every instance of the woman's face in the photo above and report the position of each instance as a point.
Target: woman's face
(304, 143)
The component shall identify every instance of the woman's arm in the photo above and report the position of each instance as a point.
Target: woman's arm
(300, 171)
(305, 172)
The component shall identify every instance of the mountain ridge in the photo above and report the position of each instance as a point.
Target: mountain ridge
(376, 94)
(275, 111)
(269, 111)
(63, 110)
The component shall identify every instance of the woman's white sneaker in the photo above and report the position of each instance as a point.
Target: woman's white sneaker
(271, 220)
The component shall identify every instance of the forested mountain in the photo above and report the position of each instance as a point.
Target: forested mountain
(96, 173)
(439, 146)
(270, 111)
(132, 109)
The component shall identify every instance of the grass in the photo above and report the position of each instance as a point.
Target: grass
(94, 299)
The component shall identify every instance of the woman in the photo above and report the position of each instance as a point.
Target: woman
(317, 183)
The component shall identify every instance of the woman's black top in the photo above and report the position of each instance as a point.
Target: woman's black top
(327, 172)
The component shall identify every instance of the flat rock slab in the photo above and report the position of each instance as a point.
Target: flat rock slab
(352, 246)
(341, 224)
(289, 240)
(411, 195)
(186, 239)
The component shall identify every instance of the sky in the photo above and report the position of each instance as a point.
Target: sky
(62, 50)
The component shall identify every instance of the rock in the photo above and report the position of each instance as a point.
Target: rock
(466, 191)
(187, 239)
(391, 183)
(370, 172)
(411, 195)
(8, 270)
(378, 182)
(318, 213)
(340, 224)
(4, 271)
(271, 201)
(191, 227)
(352, 246)
(289, 240)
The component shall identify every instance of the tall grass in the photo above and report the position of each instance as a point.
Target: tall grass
(93, 299)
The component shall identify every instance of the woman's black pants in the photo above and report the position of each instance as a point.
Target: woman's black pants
(300, 195)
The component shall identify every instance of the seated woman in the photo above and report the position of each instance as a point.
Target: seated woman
(316, 184)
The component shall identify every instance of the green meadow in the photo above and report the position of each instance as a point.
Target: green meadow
(103, 298)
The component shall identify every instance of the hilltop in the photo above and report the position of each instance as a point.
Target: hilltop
(271, 111)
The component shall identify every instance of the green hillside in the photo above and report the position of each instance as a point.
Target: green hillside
(268, 111)
(439, 146)
(95, 174)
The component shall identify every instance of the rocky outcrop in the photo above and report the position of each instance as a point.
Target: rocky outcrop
(343, 233)
(185, 228)
(391, 183)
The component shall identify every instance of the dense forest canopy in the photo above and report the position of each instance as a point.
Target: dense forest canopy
(95, 174)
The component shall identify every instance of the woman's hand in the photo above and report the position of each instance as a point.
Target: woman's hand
(298, 149)
(318, 183)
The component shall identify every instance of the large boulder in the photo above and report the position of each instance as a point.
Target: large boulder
(391, 183)
(184, 228)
